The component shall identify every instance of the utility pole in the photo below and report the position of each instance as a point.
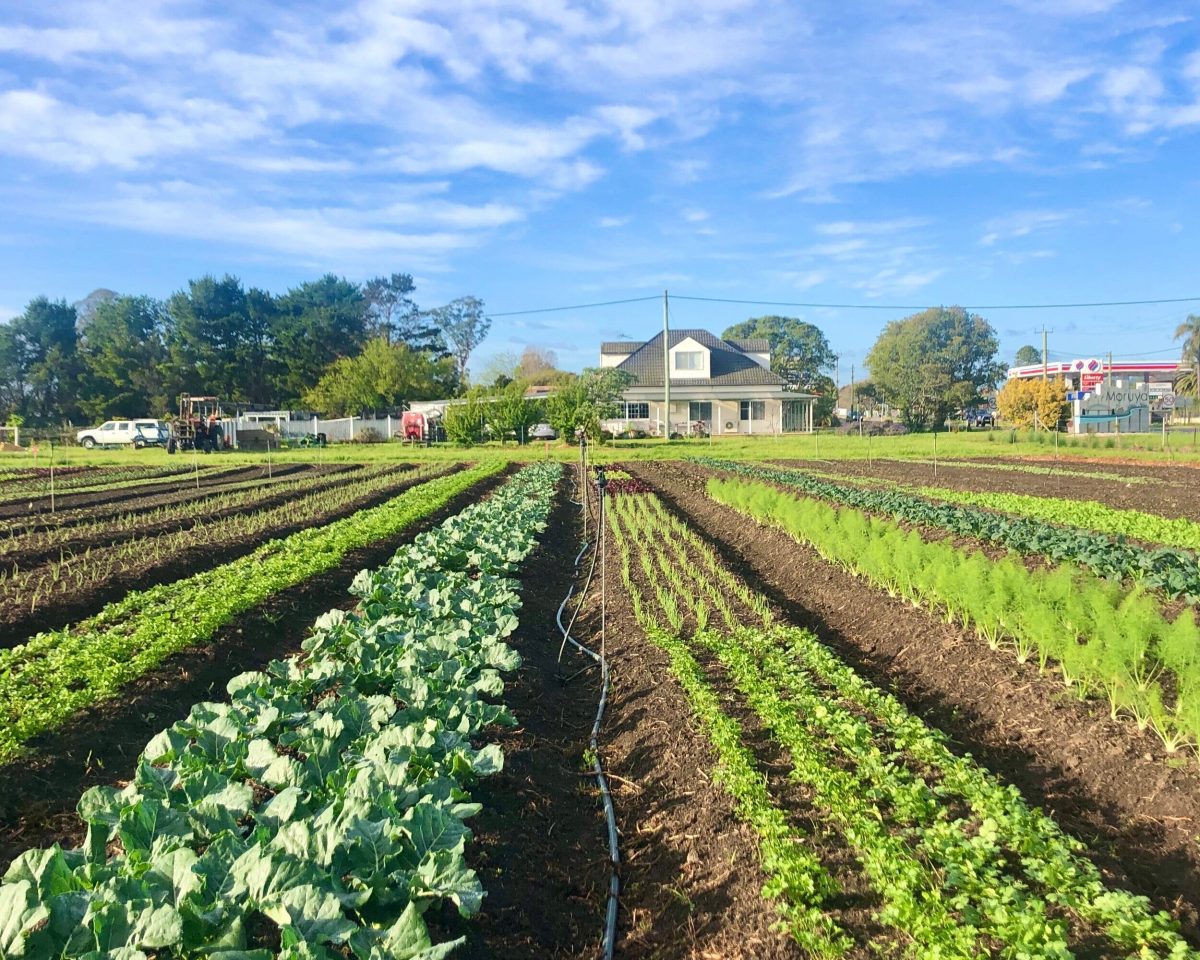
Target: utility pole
(837, 378)
(666, 368)
(852, 390)
(1045, 354)
(1108, 382)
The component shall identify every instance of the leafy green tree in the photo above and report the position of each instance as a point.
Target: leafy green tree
(122, 356)
(383, 377)
(39, 363)
(826, 391)
(510, 412)
(317, 323)
(1027, 356)
(799, 351)
(219, 339)
(464, 418)
(1188, 382)
(463, 324)
(928, 364)
(586, 400)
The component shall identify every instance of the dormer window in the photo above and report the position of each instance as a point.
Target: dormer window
(689, 360)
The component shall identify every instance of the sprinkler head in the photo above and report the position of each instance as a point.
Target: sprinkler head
(601, 479)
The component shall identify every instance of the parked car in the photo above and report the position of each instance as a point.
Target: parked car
(137, 433)
(980, 417)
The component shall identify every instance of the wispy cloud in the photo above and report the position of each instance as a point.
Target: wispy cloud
(1021, 223)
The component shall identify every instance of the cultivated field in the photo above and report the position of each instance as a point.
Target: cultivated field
(855, 700)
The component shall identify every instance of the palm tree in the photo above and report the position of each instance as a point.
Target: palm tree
(1187, 381)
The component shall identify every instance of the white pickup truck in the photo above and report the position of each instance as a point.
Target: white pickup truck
(139, 433)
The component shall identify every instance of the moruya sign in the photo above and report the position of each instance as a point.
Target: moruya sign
(1117, 399)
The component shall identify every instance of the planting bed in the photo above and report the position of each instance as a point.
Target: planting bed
(75, 584)
(323, 807)
(130, 492)
(1100, 779)
(1176, 495)
(817, 744)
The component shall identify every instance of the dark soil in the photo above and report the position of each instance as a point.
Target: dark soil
(101, 746)
(1137, 808)
(72, 603)
(1175, 499)
(540, 842)
(690, 876)
(124, 495)
(267, 496)
(148, 500)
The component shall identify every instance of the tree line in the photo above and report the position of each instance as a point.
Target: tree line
(328, 344)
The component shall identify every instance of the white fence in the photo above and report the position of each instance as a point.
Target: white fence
(340, 430)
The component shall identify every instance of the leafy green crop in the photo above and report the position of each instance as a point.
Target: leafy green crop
(45, 681)
(1175, 572)
(320, 812)
(959, 861)
(1087, 514)
(1101, 638)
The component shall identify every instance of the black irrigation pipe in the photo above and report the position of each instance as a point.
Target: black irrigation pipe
(614, 883)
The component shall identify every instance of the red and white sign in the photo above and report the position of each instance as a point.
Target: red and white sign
(1087, 366)
(1089, 380)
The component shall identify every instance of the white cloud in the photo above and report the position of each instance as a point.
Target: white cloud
(354, 237)
(608, 223)
(695, 215)
(1021, 223)
(848, 228)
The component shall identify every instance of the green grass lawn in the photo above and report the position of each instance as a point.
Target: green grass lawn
(1181, 447)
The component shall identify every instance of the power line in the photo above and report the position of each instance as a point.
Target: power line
(980, 306)
(848, 306)
(576, 306)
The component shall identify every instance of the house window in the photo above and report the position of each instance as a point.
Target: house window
(689, 360)
(700, 410)
(754, 410)
(635, 411)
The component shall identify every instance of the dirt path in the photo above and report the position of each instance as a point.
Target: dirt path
(690, 874)
(1100, 779)
(102, 744)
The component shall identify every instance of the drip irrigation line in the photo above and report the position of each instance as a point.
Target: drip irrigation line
(614, 883)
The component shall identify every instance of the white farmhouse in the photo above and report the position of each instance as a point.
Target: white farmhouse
(720, 386)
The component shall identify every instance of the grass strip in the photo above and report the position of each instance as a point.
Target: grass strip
(45, 681)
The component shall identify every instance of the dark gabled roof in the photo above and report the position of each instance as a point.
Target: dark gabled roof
(730, 366)
(619, 346)
(752, 345)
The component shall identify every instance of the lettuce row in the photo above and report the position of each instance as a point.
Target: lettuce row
(320, 812)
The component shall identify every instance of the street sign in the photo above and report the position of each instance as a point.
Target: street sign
(1168, 401)
(1160, 389)
(1089, 380)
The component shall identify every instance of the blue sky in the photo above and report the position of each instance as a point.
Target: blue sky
(545, 152)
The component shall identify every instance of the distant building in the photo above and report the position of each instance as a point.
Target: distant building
(723, 387)
(1121, 397)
